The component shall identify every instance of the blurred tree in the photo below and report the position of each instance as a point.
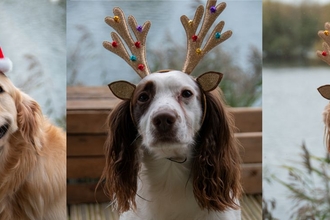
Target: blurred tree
(290, 31)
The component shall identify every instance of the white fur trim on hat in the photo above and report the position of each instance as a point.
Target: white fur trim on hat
(5, 65)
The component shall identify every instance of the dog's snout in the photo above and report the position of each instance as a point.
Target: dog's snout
(164, 120)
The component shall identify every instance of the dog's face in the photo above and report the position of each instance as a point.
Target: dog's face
(8, 112)
(167, 110)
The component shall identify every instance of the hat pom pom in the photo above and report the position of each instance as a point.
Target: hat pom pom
(5, 65)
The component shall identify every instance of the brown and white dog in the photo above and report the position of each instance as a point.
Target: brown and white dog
(171, 153)
(32, 159)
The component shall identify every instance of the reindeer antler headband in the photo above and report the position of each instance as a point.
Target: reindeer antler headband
(196, 47)
(325, 56)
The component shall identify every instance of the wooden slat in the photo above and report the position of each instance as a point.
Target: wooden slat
(86, 105)
(92, 212)
(86, 122)
(252, 178)
(251, 146)
(85, 167)
(248, 119)
(88, 92)
(85, 193)
(92, 168)
(86, 145)
(92, 145)
(251, 207)
(79, 98)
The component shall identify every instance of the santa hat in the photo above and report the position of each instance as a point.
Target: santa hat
(5, 63)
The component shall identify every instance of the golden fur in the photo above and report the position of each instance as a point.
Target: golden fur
(32, 160)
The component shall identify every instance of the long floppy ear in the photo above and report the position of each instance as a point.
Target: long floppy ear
(216, 167)
(29, 119)
(122, 163)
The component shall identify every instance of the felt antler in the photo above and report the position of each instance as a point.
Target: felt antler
(194, 42)
(137, 60)
(325, 56)
(325, 35)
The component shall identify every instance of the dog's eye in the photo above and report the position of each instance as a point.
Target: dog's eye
(143, 97)
(186, 93)
(1, 90)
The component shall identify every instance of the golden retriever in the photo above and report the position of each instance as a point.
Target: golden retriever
(32, 159)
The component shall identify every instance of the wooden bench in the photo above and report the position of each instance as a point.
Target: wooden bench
(87, 111)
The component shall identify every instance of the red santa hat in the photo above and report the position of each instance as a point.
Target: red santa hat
(5, 63)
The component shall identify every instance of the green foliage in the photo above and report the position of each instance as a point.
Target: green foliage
(309, 187)
(290, 31)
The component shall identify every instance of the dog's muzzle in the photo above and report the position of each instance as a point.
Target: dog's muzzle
(3, 130)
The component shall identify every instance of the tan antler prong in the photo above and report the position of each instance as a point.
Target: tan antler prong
(325, 35)
(196, 49)
(137, 58)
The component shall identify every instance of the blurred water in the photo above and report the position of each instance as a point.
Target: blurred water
(292, 114)
(86, 30)
(33, 37)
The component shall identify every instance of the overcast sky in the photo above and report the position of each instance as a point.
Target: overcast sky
(299, 1)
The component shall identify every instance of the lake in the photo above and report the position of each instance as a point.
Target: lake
(292, 115)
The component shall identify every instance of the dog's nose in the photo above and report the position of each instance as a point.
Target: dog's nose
(164, 120)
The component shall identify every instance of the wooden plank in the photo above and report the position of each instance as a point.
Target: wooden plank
(86, 122)
(92, 212)
(252, 178)
(92, 145)
(87, 98)
(84, 102)
(93, 104)
(251, 181)
(87, 92)
(85, 193)
(251, 142)
(251, 207)
(250, 204)
(248, 119)
(85, 167)
(91, 167)
(86, 145)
